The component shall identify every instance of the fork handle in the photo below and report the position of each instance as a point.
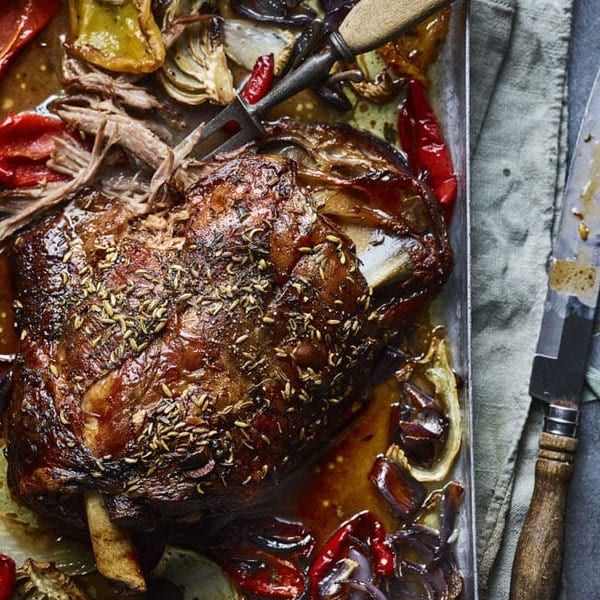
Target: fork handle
(368, 25)
(372, 23)
(311, 71)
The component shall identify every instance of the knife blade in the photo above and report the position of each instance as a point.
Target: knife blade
(574, 276)
(560, 361)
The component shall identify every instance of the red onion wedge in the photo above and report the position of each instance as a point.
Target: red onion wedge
(403, 492)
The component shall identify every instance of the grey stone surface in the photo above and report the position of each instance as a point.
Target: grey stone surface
(582, 554)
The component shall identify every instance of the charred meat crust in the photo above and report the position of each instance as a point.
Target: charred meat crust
(379, 173)
(184, 362)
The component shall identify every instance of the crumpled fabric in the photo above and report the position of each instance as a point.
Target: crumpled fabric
(519, 51)
(592, 380)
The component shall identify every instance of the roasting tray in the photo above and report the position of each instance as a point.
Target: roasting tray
(453, 308)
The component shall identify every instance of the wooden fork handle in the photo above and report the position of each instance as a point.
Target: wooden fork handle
(372, 23)
(538, 559)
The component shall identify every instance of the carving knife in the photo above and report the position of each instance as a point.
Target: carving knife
(560, 362)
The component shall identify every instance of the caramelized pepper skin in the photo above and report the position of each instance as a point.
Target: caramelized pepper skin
(363, 526)
(7, 576)
(422, 139)
(26, 143)
(412, 53)
(261, 79)
(20, 22)
(263, 574)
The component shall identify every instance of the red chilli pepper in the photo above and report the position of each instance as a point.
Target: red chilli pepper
(364, 526)
(423, 141)
(261, 573)
(7, 576)
(20, 22)
(257, 86)
(261, 79)
(26, 143)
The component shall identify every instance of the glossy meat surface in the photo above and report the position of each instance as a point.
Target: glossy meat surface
(185, 362)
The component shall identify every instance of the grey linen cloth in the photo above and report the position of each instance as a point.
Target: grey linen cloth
(519, 54)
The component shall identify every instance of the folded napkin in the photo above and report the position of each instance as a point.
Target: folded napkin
(519, 54)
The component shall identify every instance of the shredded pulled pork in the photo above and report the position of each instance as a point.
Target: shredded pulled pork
(24, 205)
(83, 77)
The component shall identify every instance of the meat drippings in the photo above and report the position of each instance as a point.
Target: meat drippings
(576, 278)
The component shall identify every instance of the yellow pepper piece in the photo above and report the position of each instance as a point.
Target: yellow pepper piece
(118, 37)
(413, 52)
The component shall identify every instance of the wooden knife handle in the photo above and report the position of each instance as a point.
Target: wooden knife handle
(538, 559)
(372, 23)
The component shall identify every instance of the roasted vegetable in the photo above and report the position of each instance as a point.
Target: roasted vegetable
(278, 12)
(195, 69)
(266, 556)
(419, 427)
(423, 141)
(382, 88)
(178, 13)
(20, 22)
(245, 42)
(26, 143)
(425, 566)
(271, 534)
(197, 577)
(363, 528)
(439, 374)
(43, 581)
(336, 11)
(263, 574)
(118, 36)
(403, 493)
(261, 79)
(7, 576)
(411, 54)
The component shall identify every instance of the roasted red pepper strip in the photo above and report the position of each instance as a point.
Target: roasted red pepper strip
(364, 526)
(261, 79)
(423, 141)
(7, 576)
(26, 143)
(21, 21)
(261, 573)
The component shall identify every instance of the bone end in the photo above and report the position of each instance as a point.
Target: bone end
(116, 556)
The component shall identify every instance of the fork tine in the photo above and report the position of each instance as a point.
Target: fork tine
(234, 112)
(243, 136)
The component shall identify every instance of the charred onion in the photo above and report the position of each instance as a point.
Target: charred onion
(246, 41)
(195, 69)
(43, 581)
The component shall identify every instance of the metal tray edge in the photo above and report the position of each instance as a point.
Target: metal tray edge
(455, 306)
(469, 332)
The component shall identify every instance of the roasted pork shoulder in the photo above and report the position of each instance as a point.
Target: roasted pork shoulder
(184, 362)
